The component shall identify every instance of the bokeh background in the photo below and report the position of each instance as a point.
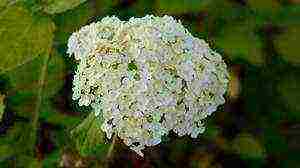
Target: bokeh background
(259, 126)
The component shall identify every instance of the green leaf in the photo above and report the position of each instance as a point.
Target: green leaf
(22, 136)
(106, 6)
(56, 117)
(52, 160)
(70, 21)
(274, 142)
(5, 152)
(35, 76)
(32, 86)
(240, 42)
(19, 141)
(56, 73)
(25, 78)
(2, 106)
(23, 37)
(89, 138)
(181, 6)
(3, 3)
(59, 6)
(288, 88)
(211, 132)
(266, 7)
(27, 161)
(287, 44)
(288, 15)
(248, 147)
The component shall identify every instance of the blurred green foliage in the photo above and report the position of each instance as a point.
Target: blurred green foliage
(181, 6)
(248, 146)
(240, 42)
(287, 43)
(2, 106)
(72, 20)
(41, 126)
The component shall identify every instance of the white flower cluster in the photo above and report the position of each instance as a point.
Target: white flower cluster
(146, 77)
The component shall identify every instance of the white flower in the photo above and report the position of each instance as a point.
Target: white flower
(146, 77)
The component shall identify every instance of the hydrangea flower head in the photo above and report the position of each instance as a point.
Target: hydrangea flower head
(146, 77)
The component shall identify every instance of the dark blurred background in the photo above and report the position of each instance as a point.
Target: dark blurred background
(259, 126)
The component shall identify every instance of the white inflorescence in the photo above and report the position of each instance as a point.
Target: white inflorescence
(146, 77)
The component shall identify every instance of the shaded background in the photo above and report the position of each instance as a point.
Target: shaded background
(257, 127)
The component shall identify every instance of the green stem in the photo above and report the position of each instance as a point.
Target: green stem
(110, 150)
(36, 112)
